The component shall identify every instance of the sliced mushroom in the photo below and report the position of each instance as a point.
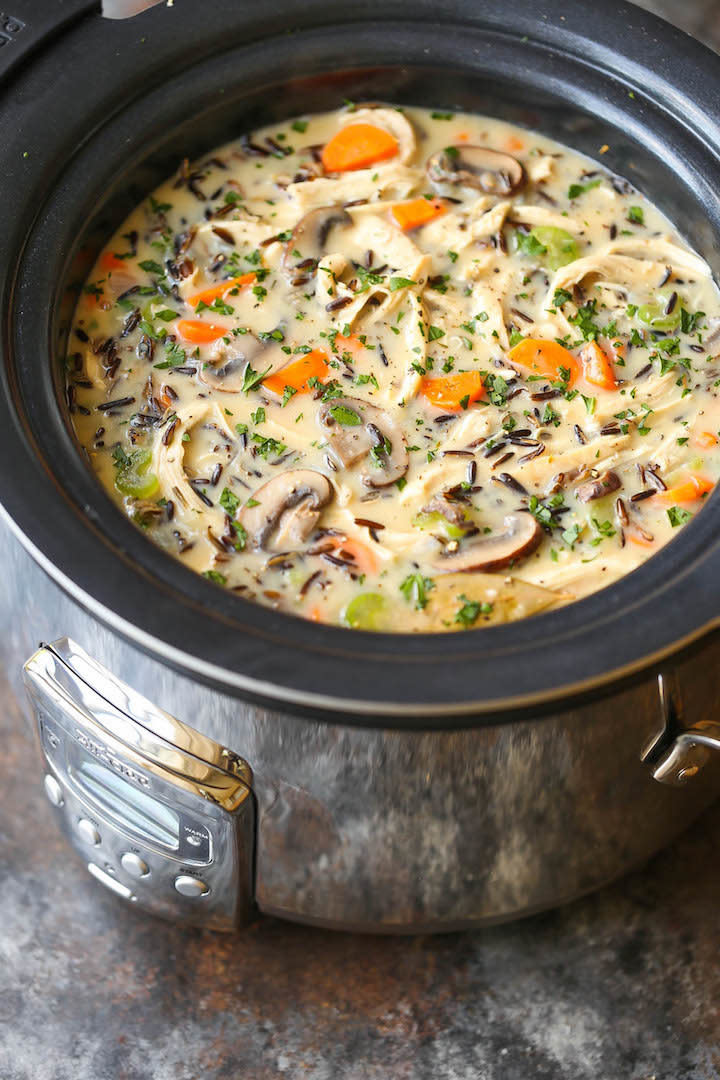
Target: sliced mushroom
(308, 240)
(287, 511)
(368, 429)
(453, 512)
(477, 167)
(596, 488)
(227, 372)
(522, 536)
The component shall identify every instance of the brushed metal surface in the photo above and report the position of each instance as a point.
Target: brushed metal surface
(178, 828)
(399, 830)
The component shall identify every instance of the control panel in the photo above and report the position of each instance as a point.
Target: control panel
(160, 814)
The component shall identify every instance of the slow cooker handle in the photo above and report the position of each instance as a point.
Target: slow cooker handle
(28, 28)
(125, 9)
(678, 753)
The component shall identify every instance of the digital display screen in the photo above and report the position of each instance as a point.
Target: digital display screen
(125, 803)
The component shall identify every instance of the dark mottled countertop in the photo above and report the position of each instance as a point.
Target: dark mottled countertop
(623, 985)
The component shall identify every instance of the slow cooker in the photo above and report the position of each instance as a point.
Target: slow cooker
(207, 757)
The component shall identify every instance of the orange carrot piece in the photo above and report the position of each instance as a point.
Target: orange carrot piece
(417, 212)
(514, 145)
(364, 557)
(297, 373)
(597, 368)
(199, 332)
(544, 357)
(705, 440)
(351, 343)
(637, 538)
(690, 490)
(462, 136)
(358, 146)
(108, 261)
(208, 295)
(316, 614)
(449, 391)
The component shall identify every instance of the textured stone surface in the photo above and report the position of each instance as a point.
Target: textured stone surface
(624, 985)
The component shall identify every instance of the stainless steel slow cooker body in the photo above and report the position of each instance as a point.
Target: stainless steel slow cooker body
(397, 782)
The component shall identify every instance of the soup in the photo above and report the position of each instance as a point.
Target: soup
(400, 370)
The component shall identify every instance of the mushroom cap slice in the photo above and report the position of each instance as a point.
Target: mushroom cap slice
(371, 428)
(522, 536)
(599, 486)
(228, 372)
(288, 509)
(308, 240)
(478, 167)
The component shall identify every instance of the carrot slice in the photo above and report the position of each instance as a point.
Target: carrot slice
(208, 295)
(417, 212)
(450, 391)
(352, 343)
(597, 368)
(705, 439)
(691, 489)
(199, 332)
(108, 261)
(544, 357)
(514, 145)
(297, 373)
(364, 558)
(637, 538)
(358, 146)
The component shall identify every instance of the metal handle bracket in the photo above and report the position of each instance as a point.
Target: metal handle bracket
(678, 753)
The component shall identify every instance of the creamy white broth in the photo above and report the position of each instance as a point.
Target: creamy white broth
(496, 411)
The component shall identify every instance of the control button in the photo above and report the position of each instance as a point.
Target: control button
(53, 790)
(190, 886)
(110, 883)
(88, 832)
(134, 865)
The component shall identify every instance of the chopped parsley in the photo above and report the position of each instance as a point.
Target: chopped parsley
(585, 321)
(229, 501)
(174, 357)
(678, 516)
(151, 267)
(267, 446)
(579, 189)
(345, 416)
(415, 588)
(471, 611)
(528, 244)
(252, 378)
(215, 576)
